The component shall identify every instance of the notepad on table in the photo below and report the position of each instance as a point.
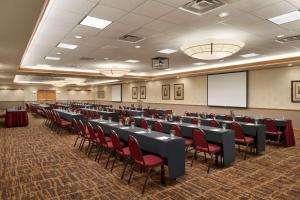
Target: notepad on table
(140, 132)
(162, 138)
(125, 127)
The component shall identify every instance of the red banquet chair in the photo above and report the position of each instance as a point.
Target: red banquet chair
(228, 118)
(201, 145)
(61, 123)
(157, 127)
(105, 145)
(123, 153)
(144, 124)
(177, 132)
(195, 121)
(147, 162)
(85, 136)
(271, 129)
(214, 123)
(241, 139)
(248, 119)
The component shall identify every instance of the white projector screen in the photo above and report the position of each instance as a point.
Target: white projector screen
(116, 92)
(229, 89)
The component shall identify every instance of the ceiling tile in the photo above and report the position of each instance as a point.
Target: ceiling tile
(107, 13)
(153, 9)
(174, 3)
(135, 20)
(77, 6)
(158, 25)
(179, 17)
(274, 10)
(127, 5)
(244, 5)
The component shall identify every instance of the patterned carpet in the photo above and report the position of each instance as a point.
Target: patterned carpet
(36, 163)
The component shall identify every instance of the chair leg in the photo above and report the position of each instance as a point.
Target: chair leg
(113, 164)
(110, 153)
(126, 163)
(239, 148)
(247, 146)
(76, 141)
(131, 172)
(98, 152)
(212, 160)
(194, 157)
(162, 174)
(90, 151)
(147, 177)
(88, 147)
(205, 157)
(101, 152)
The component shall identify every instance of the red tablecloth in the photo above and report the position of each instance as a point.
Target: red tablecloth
(289, 134)
(16, 118)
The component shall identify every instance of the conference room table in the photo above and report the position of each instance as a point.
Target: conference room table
(41, 106)
(283, 125)
(70, 115)
(105, 114)
(172, 149)
(131, 112)
(222, 137)
(64, 106)
(16, 118)
(152, 111)
(257, 131)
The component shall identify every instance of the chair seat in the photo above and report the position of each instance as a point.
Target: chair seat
(247, 140)
(109, 145)
(65, 122)
(212, 148)
(107, 139)
(188, 142)
(273, 133)
(126, 152)
(151, 161)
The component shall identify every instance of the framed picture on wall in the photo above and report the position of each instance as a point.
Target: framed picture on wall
(134, 92)
(295, 85)
(165, 92)
(143, 92)
(179, 91)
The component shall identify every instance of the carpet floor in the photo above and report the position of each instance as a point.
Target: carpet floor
(36, 163)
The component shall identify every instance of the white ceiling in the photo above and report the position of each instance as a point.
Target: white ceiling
(163, 25)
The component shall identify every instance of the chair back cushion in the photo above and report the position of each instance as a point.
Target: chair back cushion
(100, 135)
(270, 125)
(194, 121)
(228, 118)
(199, 139)
(157, 127)
(115, 141)
(91, 131)
(144, 124)
(135, 150)
(248, 120)
(214, 123)
(238, 131)
(176, 129)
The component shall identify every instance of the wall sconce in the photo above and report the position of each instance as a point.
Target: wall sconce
(33, 91)
(58, 92)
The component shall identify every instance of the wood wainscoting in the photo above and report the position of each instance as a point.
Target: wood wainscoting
(46, 95)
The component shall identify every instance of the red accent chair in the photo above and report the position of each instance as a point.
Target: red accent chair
(62, 123)
(177, 132)
(194, 121)
(248, 120)
(201, 145)
(157, 127)
(241, 139)
(123, 153)
(76, 130)
(147, 162)
(271, 129)
(228, 118)
(105, 145)
(214, 123)
(144, 124)
(84, 133)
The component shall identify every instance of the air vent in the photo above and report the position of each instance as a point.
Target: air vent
(160, 63)
(288, 39)
(131, 38)
(199, 7)
(86, 58)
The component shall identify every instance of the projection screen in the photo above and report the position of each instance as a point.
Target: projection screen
(116, 92)
(227, 90)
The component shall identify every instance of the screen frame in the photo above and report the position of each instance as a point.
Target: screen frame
(121, 92)
(247, 90)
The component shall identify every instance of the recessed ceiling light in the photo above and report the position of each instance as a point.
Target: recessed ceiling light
(223, 14)
(137, 47)
(52, 58)
(132, 61)
(67, 46)
(221, 60)
(95, 22)
(167, 51)
(290, 64)
(106, 58)
(285, 18)
(249, 55)
(199, 63)
(168, 69)
(58, 53)
(78, 36)
(280, 36)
